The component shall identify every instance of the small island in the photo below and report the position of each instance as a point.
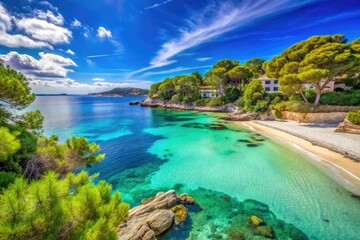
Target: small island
(122, 92)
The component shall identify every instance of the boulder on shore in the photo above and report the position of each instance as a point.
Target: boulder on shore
(154, 216)
(348, 127)
(240, 116)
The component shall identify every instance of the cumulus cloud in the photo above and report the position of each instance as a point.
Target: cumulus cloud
(42, 29)
(49, 16)
(69, 51)
(76, 23)
(103, 33)
(47, 66)
(98, 79)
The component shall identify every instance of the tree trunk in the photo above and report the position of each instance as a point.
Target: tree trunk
(318, 96)
(304, 97)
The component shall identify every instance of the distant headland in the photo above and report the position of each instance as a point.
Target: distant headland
(123, 92)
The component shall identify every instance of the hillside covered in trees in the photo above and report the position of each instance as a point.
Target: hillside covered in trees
(303, 71)
(126, 92)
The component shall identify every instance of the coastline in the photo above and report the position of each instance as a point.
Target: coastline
(155, 103)
(342, 169)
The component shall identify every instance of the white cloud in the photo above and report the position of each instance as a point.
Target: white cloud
(47, 66)
(5, 19)
(76, 23)
(49, 5)
(98, 79)
(69, 51)
(215, 21)
(70, 86)
(17, 40)
(42, 30)
(49, 16)
(103, 33)
(158, 4)
(204, 59)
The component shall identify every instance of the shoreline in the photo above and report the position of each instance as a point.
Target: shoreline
(155, 103)
(342, 169)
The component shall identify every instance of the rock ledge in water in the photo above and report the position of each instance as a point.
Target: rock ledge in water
(154, 216)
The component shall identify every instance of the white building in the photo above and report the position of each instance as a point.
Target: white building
(208, 92)
(269, 84)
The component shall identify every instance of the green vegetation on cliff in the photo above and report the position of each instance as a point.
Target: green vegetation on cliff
(126, 92)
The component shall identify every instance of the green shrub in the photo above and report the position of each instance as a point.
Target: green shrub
(278, 114)
(240, 103)
(260, 106)
(215, 102)
(231, 94)
(294, 106)
(6, 178)
(354, 117)
(347, 98)
(175, 99)
(200, 102)
(310, 94)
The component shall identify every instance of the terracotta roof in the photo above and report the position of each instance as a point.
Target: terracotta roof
(204, 87)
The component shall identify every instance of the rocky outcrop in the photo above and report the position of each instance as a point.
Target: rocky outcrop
(241, 116)
(135, 102)
(155, 216)
(180, 212)
(153, 102)
(319, 117)
(348, 127)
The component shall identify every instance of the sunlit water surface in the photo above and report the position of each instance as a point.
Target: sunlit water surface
(231, 171)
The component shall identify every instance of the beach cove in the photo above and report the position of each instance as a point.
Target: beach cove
(222, 165)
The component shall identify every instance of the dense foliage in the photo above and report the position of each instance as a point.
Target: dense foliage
(354, 117)
(253, 99)
(71, 208)
(315, 61)
(347, 98)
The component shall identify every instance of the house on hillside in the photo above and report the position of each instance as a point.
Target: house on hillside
(209, 92)
(272, 85)
(269, 84)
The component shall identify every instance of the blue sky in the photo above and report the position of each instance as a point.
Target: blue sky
(73, 46)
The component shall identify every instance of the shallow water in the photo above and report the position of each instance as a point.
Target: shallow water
(148, 150)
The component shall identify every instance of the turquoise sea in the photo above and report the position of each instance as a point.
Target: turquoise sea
(231, 172)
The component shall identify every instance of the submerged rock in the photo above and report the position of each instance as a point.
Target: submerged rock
(264, 231)
(180, 212)
(155, 216)
(256, 221)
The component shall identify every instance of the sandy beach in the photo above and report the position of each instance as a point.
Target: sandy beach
(343, 169)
